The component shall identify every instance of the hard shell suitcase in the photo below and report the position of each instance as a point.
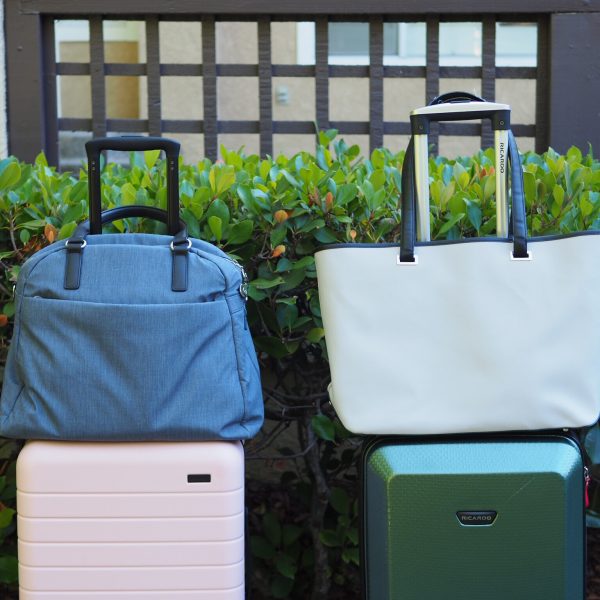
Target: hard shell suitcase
(491, 518)
(123, 521)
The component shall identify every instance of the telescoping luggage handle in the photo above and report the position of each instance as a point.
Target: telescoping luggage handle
(415, 173)
(131, 143)
(180, 244)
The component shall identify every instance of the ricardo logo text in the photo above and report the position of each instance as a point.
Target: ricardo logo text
(476, 517)
(502, 157)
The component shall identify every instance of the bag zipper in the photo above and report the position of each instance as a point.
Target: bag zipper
(244, 285)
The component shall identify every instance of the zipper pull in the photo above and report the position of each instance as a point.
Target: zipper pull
(244, 284)
(586, 474)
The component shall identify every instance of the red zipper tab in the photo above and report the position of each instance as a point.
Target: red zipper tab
(587, 487)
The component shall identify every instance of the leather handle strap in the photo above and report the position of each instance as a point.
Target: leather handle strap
(76, 243)
(130, 143)
(409, 203)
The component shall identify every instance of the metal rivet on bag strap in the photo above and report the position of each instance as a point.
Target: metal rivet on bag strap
(178, 249)
(528, 257)
(76, 245)
(406, 263)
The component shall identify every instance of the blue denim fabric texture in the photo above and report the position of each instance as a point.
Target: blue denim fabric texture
(124, 357)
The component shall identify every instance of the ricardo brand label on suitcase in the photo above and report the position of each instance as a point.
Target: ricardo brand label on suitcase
(147, 520)
(473, 519)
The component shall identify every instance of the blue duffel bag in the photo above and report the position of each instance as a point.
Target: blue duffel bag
(131, 336)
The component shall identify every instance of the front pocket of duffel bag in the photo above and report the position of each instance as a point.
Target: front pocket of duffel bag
(129, 372)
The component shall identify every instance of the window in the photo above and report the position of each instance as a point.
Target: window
(404, 44)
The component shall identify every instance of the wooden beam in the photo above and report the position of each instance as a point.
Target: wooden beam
(25, 105)
(574, 82)
(305, 8)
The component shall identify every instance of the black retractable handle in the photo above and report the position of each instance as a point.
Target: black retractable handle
(459, 106)
(94, 149)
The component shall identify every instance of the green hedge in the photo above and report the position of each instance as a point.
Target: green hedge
(272, 214)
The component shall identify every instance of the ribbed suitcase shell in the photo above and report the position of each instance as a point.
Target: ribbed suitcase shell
(415, 548)
(121, 521)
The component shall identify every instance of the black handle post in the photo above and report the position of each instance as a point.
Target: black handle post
(94, 149)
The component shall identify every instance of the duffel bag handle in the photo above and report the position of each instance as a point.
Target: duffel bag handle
(409, 203)
(131, 143)
(180, 244)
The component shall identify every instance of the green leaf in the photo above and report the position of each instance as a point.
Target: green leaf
(378, 158)
(218, 208)
(351, 555)
(221, 178)
(304, 262)
(530, 188)
(24, 236)
(6, 517)
(574, 155)
(448, 225)
(66, 230)
(261, 548)
(346, 193)
(558, 193)
(281, 587)
(329, 538)
(325, 236)
(474, 214)
(150, 157)
(283, 265)
(286, 565)
(323, 427)
(278, 234)
(9, 569)
(216, 226)
(489, 187)
(10, 175)
(290, 533)
(340, 501)
(75, 212)
(458, 172)
(190, 220)
(457, 204)
(315, 335)
(352, 535)
(128, 194)
(272, 346)
(586, 207)
(272, 528)
(377, 179)
(263, 284)
(240, 232)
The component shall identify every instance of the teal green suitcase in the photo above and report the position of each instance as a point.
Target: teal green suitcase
(489, 518)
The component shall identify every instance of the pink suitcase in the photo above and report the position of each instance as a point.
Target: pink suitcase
(131, 521)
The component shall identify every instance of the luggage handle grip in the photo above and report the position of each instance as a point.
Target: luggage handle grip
(180, 244)
(455, 106)
(463, 110)
(133, 143)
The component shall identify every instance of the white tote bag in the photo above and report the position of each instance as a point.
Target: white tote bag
(482, 334)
